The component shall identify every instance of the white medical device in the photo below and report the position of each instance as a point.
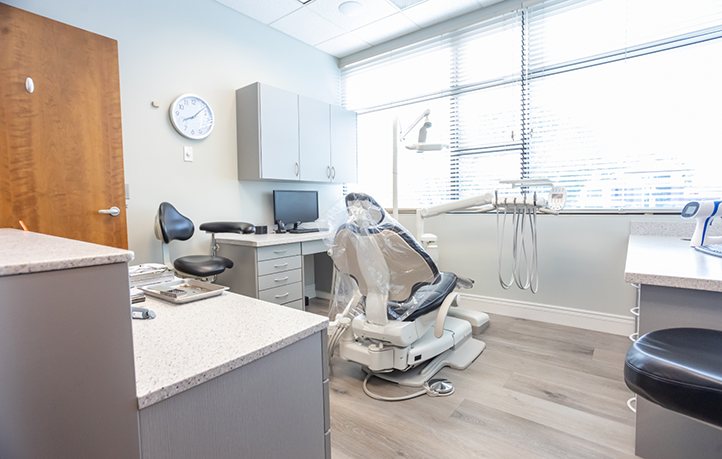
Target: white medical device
(704, 212)
(522, 207)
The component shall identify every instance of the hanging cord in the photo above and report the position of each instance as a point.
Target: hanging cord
(535, 256)
(500, 245)
(519, 264)
(427, 389)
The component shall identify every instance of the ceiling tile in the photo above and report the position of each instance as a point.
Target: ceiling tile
(372, 10)
(386, 29)
(434, 11)
(265, 11)
(343, 45)
(307, 26)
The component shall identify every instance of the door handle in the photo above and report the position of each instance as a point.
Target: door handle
(113, 211)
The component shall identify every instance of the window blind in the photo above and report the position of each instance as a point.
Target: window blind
(622, 113)
(614, 99)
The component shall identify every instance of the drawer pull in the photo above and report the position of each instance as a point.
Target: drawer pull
(629, 404)
(635, 311)
(281, 296)
(280, 251)
(281, 280)
(634, 336)
(280, 266)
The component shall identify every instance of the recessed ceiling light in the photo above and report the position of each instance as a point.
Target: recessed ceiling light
(350, 8)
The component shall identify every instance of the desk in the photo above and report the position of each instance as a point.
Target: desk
(680, 287)
(269, 266)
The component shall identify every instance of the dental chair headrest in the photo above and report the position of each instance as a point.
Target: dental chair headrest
(362, 204)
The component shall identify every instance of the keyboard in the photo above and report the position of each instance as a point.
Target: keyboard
(714, 249)
(303, 230)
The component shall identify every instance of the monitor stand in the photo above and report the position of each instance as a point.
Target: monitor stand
(281, 227)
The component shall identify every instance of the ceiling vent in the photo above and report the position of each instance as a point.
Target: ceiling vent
(403, 4)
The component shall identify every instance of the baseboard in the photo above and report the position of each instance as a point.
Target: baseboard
(323, 295)
(310, 290)
(579, 318)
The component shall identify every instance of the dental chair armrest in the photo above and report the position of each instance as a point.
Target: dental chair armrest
(228, 227)
(464, 282)
(452, 298)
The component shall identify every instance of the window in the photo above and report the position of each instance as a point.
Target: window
(615, 99)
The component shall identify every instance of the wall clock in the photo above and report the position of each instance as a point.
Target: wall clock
(192, 117)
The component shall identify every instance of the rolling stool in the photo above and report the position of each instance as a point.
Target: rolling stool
(679, 369)
(172, 225)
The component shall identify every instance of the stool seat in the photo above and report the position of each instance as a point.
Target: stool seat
(202, 265)
(679, 369)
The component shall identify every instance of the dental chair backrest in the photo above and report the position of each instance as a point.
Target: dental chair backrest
(381, 256)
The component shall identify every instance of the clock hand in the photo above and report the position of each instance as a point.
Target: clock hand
(191, 117)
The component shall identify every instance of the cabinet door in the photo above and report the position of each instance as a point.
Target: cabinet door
(279, 134)
(315, 139)
(343, 145)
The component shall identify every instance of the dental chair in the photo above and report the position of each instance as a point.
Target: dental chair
(408, 324)
(172, 225)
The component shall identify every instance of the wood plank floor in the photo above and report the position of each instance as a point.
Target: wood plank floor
(537, 391)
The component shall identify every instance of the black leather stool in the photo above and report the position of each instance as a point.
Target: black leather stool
(679, 369)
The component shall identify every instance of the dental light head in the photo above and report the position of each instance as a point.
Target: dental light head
(703, 212)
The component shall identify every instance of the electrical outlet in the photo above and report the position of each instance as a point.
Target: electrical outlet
(188, 154)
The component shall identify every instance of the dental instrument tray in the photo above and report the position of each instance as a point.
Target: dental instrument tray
(184, 290)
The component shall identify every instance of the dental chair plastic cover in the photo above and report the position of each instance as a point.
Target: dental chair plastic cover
(376, 255)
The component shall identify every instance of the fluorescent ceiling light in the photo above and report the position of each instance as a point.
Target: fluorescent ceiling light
(403, 4)
(305, 1)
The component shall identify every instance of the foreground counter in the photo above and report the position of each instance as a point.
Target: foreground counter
(229, 377)
(679, 287)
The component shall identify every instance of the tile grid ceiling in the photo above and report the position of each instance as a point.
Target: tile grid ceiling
(321, 24)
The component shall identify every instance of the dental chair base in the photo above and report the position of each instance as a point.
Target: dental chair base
(420, 358)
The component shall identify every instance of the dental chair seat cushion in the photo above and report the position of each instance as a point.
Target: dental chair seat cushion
(679, 369)
(228, 227)
(431, 296)
(202, 265)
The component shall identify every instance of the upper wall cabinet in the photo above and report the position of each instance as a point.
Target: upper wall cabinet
(284, 136)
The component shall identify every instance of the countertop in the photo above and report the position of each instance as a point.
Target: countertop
(264, 240)
(671, 262)
(23, 252)
(188, 344)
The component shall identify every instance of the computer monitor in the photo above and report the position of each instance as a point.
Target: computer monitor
(295, 207)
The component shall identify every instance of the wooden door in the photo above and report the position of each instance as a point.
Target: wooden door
(61, 152)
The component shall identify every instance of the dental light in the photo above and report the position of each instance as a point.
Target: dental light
(704, 212)
(421, 146)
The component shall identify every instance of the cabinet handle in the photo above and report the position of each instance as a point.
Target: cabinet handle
(629, 404)
(281, 280)
(280, 266)
(635, 311)
(280, 251)
(333, 176)
(297, 169)
(328, 171)
(281, 296)
(634, 336)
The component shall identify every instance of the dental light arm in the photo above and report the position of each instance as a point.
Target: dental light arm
(704, 213)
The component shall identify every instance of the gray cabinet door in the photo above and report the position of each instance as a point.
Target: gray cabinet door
(279, 134)
(315, 139)
(343, 145)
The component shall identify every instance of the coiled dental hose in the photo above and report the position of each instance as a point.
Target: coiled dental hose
(433, 387)
(529, 266)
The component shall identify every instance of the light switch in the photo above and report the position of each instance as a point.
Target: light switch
(188, 154)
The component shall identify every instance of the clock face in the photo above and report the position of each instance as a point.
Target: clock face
(191, 116)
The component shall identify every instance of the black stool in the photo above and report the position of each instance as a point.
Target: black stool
(679, 369)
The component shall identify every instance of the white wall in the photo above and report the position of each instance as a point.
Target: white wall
(581, 258)
(170, 47)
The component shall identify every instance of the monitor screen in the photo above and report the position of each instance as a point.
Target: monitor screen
(295, 206)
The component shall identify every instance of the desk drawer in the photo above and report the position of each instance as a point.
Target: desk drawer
(278, 251)
(279, 279)
(282, 294)
(311, 247)
(278, 265)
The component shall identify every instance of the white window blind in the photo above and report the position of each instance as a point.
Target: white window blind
(615, 99)
(623, 116)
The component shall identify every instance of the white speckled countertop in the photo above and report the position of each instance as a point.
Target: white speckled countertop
(263, 240)
(23, 252)
(671, 262)
(188, 344)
